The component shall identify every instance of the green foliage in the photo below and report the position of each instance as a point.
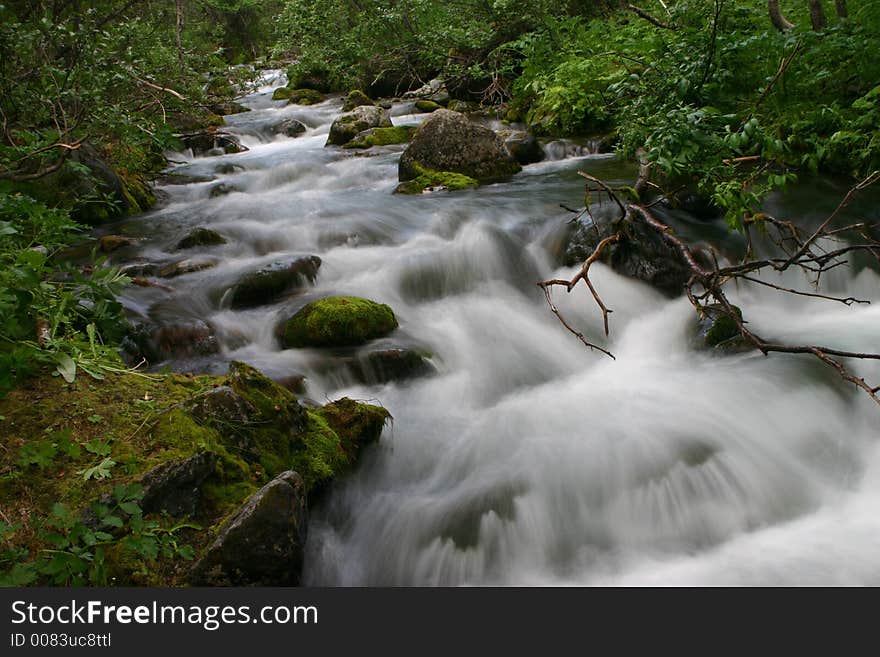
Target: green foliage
(52, 313)
(77, 547)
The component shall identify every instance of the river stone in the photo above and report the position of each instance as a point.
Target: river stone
(356, 98)
(110, 243)
(181, 267)
(427, 106)
(270, 283)
(290, 127)
(184, 339)
(337, 322)
(524, 148)
(208, 142)
(641, 253)
(388, 365)
(447, 141)
(174, 487)
(349, 124)
(716, 329)
(400, 134)
(224, 405)
(201, 237)
(222, 189)
(263, 543)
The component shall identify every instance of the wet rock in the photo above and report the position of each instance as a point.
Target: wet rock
(388, 365)
(269, 284)
(427, 106)
(174, 487)
(110, 243)
(298, 96)
(290, 128)
(184, 339)
(140, 269)
(337, 322)
(524, 148)
(227, 107)
(263, 543)
(201, 237)
(436, 181)
(227, 168)
(434, 90)
(385, 103)
(716, 329)
(222, 189)
(382, 137)
(356, 98)
(181, 267)
(296, 383)
(449, 142)
(210, 143)
(463, 106)
(183, 179)
(349, 124)
(641, 253)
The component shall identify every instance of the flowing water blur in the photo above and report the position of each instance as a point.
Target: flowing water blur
(528, 459)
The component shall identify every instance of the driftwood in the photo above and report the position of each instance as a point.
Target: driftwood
(706, 285)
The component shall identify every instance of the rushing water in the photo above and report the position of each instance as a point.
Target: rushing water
(528, 459)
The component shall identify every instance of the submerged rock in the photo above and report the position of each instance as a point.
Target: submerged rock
(290, 127)
(524, 148)
(449, 142)
(201, 237)
(716, 329)
(337, 322)
(184, 339)
(298, 96)
(210, 142)
(349, 124)
(388, 365)
(181, 267)
(263, 543)
(270, 283)
(222, 189)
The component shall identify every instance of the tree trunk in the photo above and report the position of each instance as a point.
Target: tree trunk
(779, 21)
(840, 6)
(178, 4)
(817, 15)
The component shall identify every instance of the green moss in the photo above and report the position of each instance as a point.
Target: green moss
(305, 97)
(382, 137)
(426, 179)
(356, 98)
(337, 322)
(282, 93)
(427, 106)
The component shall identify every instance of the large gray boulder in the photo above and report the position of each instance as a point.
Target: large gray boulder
(263, 543)
(448, 141)
(361, 118)
(270, 283)
(174, 487)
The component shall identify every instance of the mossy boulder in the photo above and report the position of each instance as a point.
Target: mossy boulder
(382, 137)
(427, 106)
(356, 98)
(337, 322)
(268, 284)
(314, 77)
(182, 267)
(349, 124)
(298, 96)
(111, 243)
(524, 148)
(200, 237)
(448, 141)
(263, 544)
(428, 180)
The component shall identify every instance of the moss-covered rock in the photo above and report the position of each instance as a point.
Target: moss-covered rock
(349, 124)
(310, 76)
(448, 141)
(337, 322)
(717, 329)
(201, 237)
(427, 106)
(356, 98)
(268, 284)
(382, 137)
(299, 96)
(111, 243)
(428, 180)
(198, 447)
